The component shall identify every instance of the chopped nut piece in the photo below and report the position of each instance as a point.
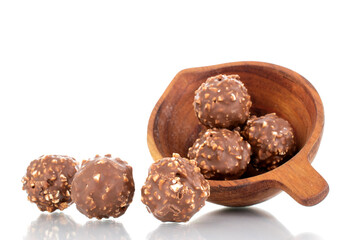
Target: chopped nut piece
(125, 178)
(155, 177)
(97, 177)
(63, 178)
(175, 187)
(161, 182)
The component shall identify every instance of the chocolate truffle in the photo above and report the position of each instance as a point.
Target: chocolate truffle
(222, 101)
(271, 138)
(48, 181)
(174, 189)
(103, 187)
(221, 154)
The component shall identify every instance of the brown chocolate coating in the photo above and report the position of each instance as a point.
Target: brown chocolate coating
(174, 189)
(222, 101)
(48, 181)
(103, 187)
(271, 138)
(221, 154)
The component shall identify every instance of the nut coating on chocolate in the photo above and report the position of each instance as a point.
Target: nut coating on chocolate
(174, 189)
(221, 154)
(48, 180)
(103, 187)
(271, 138)
(222, 101)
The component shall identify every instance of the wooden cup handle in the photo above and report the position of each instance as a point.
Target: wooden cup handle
(302, 182)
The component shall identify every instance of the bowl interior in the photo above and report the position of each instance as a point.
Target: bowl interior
(272, 89)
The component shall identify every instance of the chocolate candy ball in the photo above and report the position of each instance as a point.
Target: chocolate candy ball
(221, 154)
(271, 138)
(174, 189)
(103, 187)
(48, 180)
(222, 101)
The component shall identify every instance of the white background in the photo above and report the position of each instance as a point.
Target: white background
(81, 78)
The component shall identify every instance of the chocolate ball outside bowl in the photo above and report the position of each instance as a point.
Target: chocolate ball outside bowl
(272, 140)
(175, 189)
(48, 180)
(103, 187)
(222, 101)
(221, 154)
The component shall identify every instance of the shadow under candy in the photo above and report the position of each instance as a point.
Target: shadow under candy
(241, 223)
(58, 226)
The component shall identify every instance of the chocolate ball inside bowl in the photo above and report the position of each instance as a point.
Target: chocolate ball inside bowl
(221, 154)
(173, 127)
(222, 101)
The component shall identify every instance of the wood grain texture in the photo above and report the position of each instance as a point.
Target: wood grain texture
(173, 127)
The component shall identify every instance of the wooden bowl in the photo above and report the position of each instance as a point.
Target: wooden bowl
(173, 127)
